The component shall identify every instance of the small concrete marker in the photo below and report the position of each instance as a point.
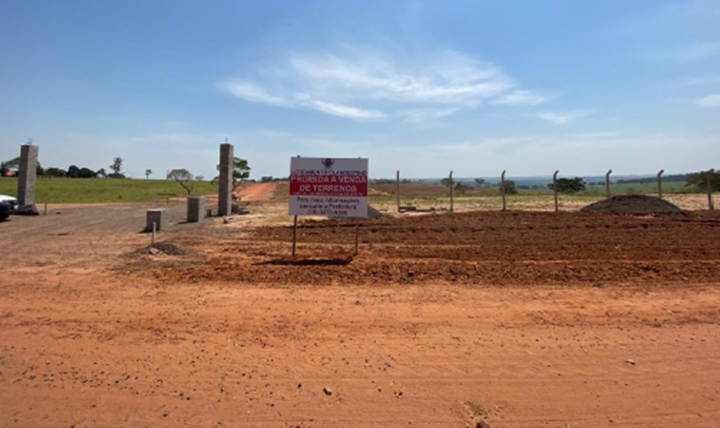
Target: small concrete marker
(160, 217)
(195, 209)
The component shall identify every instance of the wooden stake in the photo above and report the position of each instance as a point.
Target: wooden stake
(294, 235)
(502, 189)
(555, 190)
(659, 179)
(153, 232)
(607, 184)
(45, 211)
(397, 191)
(357, 236)
(452, 194)
(709, 191)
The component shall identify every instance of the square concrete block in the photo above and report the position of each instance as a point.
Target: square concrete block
(161, 218)
(195, 209)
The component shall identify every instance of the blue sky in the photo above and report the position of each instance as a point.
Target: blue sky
(423, 86)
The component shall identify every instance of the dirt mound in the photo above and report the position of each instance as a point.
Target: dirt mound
(634, 204)
(166, 248)
(374, 213)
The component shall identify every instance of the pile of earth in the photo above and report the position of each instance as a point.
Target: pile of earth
(633, 204)
(167, 248)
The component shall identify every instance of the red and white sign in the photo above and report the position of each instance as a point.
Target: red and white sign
(330, 187)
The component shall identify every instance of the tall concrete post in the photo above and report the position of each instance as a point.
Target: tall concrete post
(659, 178)
(708, 184)
(452, 194)
(27, 175)
(397, 191)
(227, 155)
(607, 184)
(502, 189)
(555, 190)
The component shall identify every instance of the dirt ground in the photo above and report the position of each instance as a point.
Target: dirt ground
(518, 319)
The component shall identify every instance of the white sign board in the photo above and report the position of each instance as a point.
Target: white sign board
(330, 187)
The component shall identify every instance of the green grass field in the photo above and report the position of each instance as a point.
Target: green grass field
(87, 190)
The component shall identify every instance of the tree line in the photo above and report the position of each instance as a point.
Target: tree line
(10, 167)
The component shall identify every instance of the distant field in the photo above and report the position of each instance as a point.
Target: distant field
(423, 195)
(87, 190)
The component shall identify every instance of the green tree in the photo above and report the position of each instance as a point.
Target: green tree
(510, 187)
(241, 171)
(86, 173)
(445, 182)
(55, 172)
(148, 172)
(101, 173)
(569, 185)
(116, 167)
(73, 171)
(480, 181)
(698, 180)
(183, 177)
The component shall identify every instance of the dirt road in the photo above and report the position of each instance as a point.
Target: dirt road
(254, 192)
(118, 337)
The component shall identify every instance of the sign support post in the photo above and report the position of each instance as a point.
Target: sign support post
(294, 235)
(357, 235)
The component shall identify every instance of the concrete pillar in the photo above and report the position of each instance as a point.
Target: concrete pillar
(27, 176)
(227, 155)
(195, 209)
(161, 218)
(659, 180)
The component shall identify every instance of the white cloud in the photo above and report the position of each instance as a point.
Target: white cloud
(519, 98)
(427, 115)
(345, 111)
(710, 101)
(443, 77)
(359, 83)
(251, 92)
(561, 118)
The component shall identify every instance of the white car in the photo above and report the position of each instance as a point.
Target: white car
(11, 202)
(8, 204)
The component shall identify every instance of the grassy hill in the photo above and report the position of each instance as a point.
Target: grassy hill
(86, 190)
